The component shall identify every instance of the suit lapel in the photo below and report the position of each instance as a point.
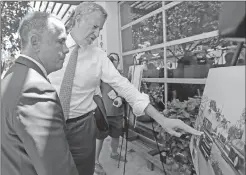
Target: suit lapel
(30, 64)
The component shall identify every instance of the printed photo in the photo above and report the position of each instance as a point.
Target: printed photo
(221, 150)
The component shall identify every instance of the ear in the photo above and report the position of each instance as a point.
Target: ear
(77, 19)
(35, 42)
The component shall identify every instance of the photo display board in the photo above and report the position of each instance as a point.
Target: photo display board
(221, 150)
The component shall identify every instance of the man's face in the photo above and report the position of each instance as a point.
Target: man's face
(87, 29)
(53, 47)
(115, 60)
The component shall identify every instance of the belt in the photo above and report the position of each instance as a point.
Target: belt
(72, 120)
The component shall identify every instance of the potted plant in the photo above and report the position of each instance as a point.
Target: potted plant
(179, 157)
(156, 95)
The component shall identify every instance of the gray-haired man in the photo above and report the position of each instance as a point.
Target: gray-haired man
(92, 67)
(32, 132)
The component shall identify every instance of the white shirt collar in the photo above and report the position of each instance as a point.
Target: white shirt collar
(70, 43)
(37, 63)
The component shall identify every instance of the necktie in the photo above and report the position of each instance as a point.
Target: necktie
(67, 82)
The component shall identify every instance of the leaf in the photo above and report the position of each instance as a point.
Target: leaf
(191, 18)
(185, 114)
(11, 15)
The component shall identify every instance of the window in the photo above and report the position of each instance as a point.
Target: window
(155, 92)
(241, 60)
(143, 34)
(176, 42)
(152, 59)
(194, 59)
(130, 11)
(182, 91)
(192, 18)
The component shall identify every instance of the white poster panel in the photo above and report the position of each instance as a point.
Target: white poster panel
(221, 150)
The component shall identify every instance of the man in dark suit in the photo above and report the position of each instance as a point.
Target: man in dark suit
(33, 124)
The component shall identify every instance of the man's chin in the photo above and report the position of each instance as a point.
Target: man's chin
(60, 65)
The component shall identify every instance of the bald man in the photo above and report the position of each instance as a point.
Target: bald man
(33, 124)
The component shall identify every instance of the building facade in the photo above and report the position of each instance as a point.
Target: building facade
(179, 38)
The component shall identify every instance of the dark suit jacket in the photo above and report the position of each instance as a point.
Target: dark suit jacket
(33, 126)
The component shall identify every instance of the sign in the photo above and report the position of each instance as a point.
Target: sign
(221, 150)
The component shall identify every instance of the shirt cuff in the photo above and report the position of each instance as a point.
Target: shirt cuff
(141, 104)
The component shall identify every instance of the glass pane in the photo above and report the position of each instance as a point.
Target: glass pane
(155, 92)
(143, 34)
(183, 91)
(152, 61)
(167, 2)
(192, 18)
(130, 11)
(241, 58)
(193, 59)
(127, 62)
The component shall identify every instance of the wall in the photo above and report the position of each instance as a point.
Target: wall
(112, 32)
(102, 39)
(109, 37)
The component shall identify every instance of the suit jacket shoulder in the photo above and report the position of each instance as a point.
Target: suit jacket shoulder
(21, 78)
(32, 121)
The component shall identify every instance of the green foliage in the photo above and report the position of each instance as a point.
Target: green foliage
(156, 94)
(234, 133)
(186, 19)
(12, 13)
(192, 18)
(179, 150)
(149, 30)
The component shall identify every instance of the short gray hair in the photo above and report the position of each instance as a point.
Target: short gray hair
(33, 22)
(86, 8)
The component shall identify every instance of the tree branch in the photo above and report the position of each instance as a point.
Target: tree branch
(199, 43)
(190, 46)
(218, 43)
(183, 46)
(173, 53)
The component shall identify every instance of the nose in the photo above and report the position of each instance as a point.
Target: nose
(65, 49)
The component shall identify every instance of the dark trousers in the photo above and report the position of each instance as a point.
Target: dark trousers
(81, 136)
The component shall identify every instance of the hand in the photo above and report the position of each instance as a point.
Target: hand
(171, 125)
(112, 95)
(117, 102)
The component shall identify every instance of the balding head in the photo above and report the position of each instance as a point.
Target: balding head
(35, 23)
(87, 22)
(86, 8)
(43, 38)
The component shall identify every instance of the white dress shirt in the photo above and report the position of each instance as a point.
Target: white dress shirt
(93, 65)
(37, 63)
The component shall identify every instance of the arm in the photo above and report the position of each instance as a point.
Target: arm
(139, 101)
(169, 125)
(110, 75)
(40, 127)
(98, 91)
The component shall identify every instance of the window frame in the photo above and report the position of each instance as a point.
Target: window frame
(164, 45)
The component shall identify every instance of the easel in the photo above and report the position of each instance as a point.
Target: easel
(134, 138)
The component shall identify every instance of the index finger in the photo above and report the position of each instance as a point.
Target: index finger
(189, 129)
